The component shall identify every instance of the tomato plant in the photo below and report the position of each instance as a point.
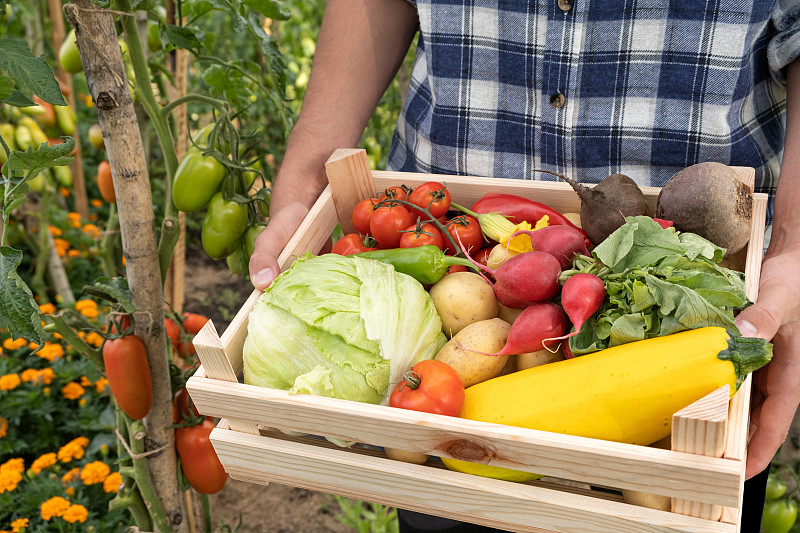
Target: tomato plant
(398, 192)
(106, 183)
(180, 406)
(430, 386)
(128, 374)
(192, 323)
(68, 54)
(362, 214)
(421, 234)
(386, 224)
(776, 487)
(199, 461)
(197, 179)
(96, 137)
(223, 225)
(433, 196)
(353, 243)
(465, 228)
(779, 516)
(173, 332)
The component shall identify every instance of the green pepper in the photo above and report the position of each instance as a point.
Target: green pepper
(426, 264)
(223, 225)
(196, 180)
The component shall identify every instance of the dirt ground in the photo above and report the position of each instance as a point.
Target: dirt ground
(213, 291)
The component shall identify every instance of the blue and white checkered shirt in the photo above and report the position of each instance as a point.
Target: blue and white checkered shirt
(594, 87)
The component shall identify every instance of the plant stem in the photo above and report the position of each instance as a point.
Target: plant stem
(144, 482)
(59, 325)
(43, 215)
(206, 506)
(219, 104)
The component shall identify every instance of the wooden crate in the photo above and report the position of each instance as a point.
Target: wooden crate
(705, 478)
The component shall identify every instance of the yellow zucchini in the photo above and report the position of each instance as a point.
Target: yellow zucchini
(627, 393)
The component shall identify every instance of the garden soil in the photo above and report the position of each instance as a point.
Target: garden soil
(213, 291)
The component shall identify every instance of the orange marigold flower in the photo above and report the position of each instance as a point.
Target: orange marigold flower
(47, 309)
(62, 245)
(32, 345)
(81, 304)
(55, 506)
(100, 385)
(94, 338)
(70, 491)
(72, 391)
(75, 513)
(9, 382)
(96, 202)
(17, 464)
(51, 351)
(48, 459)
(55, 232)
(113, 482)
(73, 253)
(85, 382)
(90, 312)
(64, 192)
(29, 374)
(73, 449)
(11, 345)
(91, 230)
(71, 476)
(95, 472)
(46, 391)
(46, 376)
(74, 219)
(3, 427)
(19, 524)
(9, 479)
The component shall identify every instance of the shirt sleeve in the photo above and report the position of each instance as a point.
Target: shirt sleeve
(785, 45)
(413, 3)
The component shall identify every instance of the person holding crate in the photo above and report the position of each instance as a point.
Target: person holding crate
(584, 88)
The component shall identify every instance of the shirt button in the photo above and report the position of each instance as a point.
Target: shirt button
(558, 100)
(565, 5)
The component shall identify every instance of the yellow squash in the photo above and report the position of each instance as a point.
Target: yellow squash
(627, 393)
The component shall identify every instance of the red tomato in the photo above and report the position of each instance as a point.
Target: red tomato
(352, 243)
(420, 235)
(482, 255)
(128, 375)
(433, 196)
(192, 324)
(455, 268)
(468, 230)
(362, 213)
(173, 332)
(386, 224)
(432, 387)
(398, 192)
(180, 406)
(199, 461)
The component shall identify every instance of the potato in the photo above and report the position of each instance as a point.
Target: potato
(542, 357)
(488, 336)
(499, 255)
(645, 499)
(509, 314)
(417, 458)
(461, 299)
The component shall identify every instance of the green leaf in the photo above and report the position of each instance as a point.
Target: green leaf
(34, 72)
(18, 310)
(113, 290)
(3, 4)
(182, 37)
(18, 99)
(30, 163)
(269, 8)
(6, 86)
(271, 53)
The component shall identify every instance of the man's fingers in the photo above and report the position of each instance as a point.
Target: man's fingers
(769, 432)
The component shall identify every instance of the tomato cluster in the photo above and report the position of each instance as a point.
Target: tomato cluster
(400, 217)
(780, 507)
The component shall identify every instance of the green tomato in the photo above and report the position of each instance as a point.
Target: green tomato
(776, 487)
(153, 38)
(197, 179)
(237, 261)
(63, 176)
(779, 516)
(234, 261)
(68, 55)
(224, 224)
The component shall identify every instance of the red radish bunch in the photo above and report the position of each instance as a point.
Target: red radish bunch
(581, 296)
(562, 242)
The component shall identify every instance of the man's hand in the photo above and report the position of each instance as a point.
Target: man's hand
(776, 395)
(270, 243)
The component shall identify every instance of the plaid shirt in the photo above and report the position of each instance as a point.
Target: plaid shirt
(639, 87)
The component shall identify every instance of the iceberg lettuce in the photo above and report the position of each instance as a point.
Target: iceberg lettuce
(342, 327)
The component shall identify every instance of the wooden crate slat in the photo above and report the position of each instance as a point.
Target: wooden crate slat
(592, 461)
(350, 179)
(510, 506)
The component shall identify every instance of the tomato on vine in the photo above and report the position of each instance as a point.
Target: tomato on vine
(465, 228)
(128, 375)
(353, 243)
(181, 405)
(779, 516)
(106, 183)
(362, 214)
(387, 222)
(421, 234)
(433, 196)
(776, 487)
(199, 461)
(430, 386)
(398, 192)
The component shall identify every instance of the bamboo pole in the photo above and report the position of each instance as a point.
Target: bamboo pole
(65, 80)
(108, 84)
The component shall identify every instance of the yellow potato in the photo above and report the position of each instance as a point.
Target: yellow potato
(509, 314)
(542, 357)
(487, 336)
(461, 299)
(646, 499)
(499, 255)
(407, 457)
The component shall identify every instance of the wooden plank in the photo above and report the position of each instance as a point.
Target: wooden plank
(700, 428)
(688, 476)
(350, 179)
(509, 506)
(218, 367)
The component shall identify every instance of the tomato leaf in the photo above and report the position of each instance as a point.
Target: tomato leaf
(6, 86)
(18, 310)
(34, 72)
(114, 290)
(28, 164)
(183, 37)
(269, 8)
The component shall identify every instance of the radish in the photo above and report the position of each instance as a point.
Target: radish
(562, 242)
(535, 325)
(581, 296)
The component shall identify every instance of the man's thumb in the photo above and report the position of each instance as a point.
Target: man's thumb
(758, 321)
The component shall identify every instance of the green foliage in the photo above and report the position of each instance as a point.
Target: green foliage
(16, 61)
(366, 517)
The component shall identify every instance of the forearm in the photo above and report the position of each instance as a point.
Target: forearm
(787, 217)
(360, 47)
